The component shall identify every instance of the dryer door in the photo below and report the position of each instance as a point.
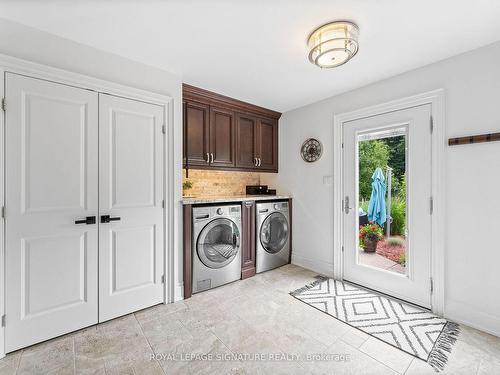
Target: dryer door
(218, 243)
(274, 233)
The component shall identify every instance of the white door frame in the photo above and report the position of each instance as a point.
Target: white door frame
(28, 68)
(436, 100)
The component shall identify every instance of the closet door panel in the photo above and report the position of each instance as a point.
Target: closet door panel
(130, 198)
(51, 188)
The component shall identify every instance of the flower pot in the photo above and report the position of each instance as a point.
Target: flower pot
(370, 243)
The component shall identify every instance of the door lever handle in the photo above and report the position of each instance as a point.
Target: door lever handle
(346, 205)
(107, 219)
(88, 220)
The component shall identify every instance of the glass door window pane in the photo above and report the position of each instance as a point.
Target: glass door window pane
(382, 160)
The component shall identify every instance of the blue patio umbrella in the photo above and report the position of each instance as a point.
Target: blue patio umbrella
(376, 208)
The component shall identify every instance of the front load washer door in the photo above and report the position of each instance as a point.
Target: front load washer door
(274, 233)
(218, 243)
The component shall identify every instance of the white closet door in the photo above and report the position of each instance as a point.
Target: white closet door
(131, 194)
(51, 181)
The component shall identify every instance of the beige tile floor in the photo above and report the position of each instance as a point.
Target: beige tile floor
(255, 316)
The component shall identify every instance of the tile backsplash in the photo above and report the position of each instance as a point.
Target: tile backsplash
(219, 183)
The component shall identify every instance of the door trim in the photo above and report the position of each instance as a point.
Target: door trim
(436, 99)
(171, 174)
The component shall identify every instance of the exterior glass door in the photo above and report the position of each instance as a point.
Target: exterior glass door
(387, 192)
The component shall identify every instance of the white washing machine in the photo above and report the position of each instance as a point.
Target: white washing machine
(216, 251)
(273, 235)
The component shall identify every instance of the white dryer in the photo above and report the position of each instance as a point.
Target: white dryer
(216, 251)
(273, 235)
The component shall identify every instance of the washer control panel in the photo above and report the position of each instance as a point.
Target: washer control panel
(207, 213)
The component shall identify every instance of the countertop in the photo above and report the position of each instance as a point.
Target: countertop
(234, 198)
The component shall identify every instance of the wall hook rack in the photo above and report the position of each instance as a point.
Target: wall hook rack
(481, 138)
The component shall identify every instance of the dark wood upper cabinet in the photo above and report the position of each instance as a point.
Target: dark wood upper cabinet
(196, 134)
(228, 134)
(246, 141)
(267, 144)
(222, 138)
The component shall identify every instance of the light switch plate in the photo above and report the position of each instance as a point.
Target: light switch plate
(327, 180)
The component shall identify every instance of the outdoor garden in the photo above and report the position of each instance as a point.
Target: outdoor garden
(382, 202)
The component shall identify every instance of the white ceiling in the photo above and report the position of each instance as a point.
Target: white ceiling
(256, 50)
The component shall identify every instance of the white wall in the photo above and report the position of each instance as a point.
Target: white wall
(472, 89)
(37, 46)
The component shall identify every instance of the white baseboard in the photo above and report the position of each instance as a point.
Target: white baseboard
(179, 292)
(469, 316)
(321, 267)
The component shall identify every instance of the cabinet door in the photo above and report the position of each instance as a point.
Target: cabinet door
(267, 145)
(196, 134)
(247, 239)
(222, 153)
(246, 141)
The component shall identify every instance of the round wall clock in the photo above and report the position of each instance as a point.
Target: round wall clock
(311, 150)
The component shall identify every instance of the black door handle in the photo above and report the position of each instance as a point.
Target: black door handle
(88, 220)
(107, 218)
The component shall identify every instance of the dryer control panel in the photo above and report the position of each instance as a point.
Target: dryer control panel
(267, 207)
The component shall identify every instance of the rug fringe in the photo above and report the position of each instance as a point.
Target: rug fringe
(319, 280)
(438, 357)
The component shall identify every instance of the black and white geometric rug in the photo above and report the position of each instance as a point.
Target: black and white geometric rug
(407, 327)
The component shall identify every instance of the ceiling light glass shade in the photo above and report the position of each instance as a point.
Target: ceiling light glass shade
(333, 44)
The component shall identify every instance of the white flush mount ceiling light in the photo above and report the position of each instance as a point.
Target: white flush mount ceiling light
(333, 44)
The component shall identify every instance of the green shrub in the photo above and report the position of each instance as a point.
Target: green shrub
(395, 241)
(398, 214)
(373, 154)
(402, 189)
(402, 259)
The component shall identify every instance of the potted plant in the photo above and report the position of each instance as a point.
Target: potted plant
(186, 186)
(369, 235)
